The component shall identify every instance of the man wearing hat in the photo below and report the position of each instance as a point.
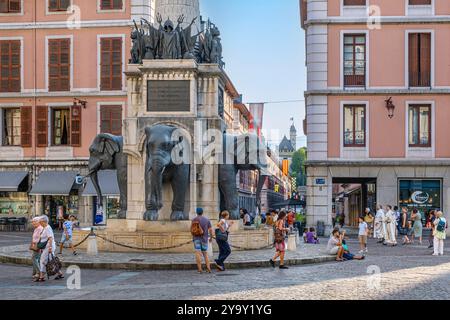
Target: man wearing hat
(201, 230)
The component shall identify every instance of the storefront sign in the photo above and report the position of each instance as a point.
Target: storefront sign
(424, 195)
(420, 197)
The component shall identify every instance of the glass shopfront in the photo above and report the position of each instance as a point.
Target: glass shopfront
(56, 206)
(14, 204)
(424, 195)
(110, 212)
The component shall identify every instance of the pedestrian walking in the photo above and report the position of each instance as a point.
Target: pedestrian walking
(369, 218)
(67, 234)
(430, 225)
(48, 246)
(379, 228)
(405, 229)
(280, 240)
(440, 226)
(416, 217)
(222, 233)
(291, 220)
(391, 227)
(397, 215)
(362, 235)
(201, 231)
(35, 251)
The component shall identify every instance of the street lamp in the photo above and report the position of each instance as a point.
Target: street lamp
(390, 107)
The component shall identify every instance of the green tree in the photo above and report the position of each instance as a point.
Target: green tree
(298, 169)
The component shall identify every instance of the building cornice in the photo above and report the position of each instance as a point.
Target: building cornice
(367, 92)
(70, 94)
(65, 25)
(381, 20)
(380, 163)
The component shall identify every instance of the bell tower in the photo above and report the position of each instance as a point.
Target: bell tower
(172, 9)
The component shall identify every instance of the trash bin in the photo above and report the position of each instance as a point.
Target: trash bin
(320, 228)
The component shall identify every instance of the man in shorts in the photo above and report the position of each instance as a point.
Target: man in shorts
(334, 246)
(201, 243)
(67, 234)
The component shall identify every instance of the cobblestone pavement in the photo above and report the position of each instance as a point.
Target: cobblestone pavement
(406, 273)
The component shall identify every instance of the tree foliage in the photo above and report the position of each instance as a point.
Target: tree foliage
(298, 169)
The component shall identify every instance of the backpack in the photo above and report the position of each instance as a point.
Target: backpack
(196, 228)
(441, 225)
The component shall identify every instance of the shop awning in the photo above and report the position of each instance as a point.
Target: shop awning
(54, 183)
(10, 181)
(107, 180)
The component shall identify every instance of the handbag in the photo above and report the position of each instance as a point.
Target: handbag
(41, 244)
(220, 235)
(53, 266)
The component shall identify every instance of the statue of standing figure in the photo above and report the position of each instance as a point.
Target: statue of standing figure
(211, 46)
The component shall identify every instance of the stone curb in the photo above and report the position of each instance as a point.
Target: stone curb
(135, 266)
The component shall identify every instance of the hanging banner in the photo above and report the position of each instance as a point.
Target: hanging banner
(256, 117)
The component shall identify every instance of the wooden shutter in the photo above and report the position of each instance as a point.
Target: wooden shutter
(111, 5)
(413, 59)
(9, 6)
(75, 126)
(425, 60)
(59, 64)
(41, 126)
(10, 66)
(26, 125)
(58, 5)
(111, 64)
(111, 120)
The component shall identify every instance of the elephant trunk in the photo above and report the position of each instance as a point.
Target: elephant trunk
(157, 171)
(94, 179)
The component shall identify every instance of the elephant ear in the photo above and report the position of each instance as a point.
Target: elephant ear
(105, 143)
(112, 147)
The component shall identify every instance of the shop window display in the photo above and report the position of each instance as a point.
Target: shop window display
(14, 204)
(57, 206)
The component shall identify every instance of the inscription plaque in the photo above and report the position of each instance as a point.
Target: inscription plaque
(168, 96)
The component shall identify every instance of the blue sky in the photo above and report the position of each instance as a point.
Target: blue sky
(263, 46)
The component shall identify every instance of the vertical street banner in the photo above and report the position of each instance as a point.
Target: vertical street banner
(257, 115)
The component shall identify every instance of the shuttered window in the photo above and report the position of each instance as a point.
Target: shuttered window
(58, 5)
(354, 2)
(59, 65)
(111, 4)
(111, 120)
(10, 66)
(26, 125)
(355, 60)
(419, 2)
(419, 59)
(111, 64)
(10, 6)
(41, 126)
(419, 126)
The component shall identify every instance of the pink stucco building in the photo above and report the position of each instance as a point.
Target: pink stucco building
(377, 105)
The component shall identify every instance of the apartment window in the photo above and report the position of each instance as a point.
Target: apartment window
(111, 4)
(11, 127)
(355, 60)
(10, 6)
(354, 2)
(355, 126)
(111, 64)
(59, 65)
(58, 5)
(419, 2)
(60, 127)
(420, 126)
(419, 59)
(10, 66)
(65, 126)
(111, 120)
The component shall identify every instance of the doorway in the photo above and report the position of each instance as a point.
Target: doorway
(350, 198)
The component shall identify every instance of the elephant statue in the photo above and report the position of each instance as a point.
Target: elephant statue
(160, 168)
(247, 154)
(106, 153)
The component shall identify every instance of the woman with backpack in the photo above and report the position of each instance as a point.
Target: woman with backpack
(440, 226)
(280, 243)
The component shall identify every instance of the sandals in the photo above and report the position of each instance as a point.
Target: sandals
(39, 280)
(59, 277)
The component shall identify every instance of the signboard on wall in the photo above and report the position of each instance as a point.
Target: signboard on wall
(424, 195)
(168, 96)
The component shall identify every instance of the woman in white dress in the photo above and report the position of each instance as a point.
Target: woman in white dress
(48, 238)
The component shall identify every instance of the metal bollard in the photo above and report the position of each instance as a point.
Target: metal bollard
(92, 249)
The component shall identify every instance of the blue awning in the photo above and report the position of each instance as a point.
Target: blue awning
(54, 183)
(10, 181)
(107, 179)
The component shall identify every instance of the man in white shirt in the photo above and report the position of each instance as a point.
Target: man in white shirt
(379, 229)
